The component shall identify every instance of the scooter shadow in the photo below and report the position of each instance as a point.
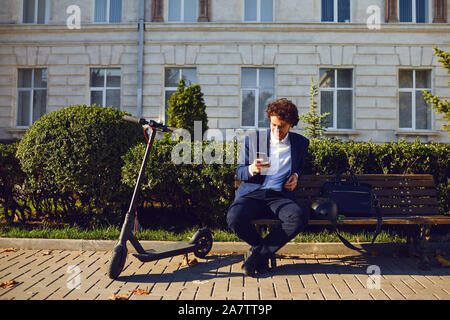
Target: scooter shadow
(214, 266)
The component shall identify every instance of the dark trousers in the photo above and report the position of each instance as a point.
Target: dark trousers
(266, 203)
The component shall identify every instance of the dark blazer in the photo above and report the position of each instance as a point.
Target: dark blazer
(299, 148)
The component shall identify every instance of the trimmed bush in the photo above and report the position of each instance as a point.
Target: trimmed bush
(11, 182)
(185, 106)
(72, 158)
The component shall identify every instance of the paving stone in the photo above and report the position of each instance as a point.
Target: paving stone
(54, 275)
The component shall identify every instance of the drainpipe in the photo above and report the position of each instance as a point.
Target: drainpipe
(140, 58)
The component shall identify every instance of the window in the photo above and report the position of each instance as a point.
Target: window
(183, 10)
(108, 11)
(416, 11)
(258, 90)
(258, 11)
(172, 76)
(336, 97)
(414, 112)
(31, 95)
(35, 11)
(336, 10)
(105, 87)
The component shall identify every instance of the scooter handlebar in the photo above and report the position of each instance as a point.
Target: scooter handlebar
(131, 119)
(151, 123)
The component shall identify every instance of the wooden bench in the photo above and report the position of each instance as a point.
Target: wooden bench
(405, 199)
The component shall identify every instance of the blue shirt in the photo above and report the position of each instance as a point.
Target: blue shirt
(280, 164)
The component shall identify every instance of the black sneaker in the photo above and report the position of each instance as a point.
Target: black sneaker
(259, 264)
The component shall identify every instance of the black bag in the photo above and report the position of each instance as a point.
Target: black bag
(354, 199)
(351, 199)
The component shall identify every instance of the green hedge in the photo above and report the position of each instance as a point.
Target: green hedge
(198, 193)
(206, 191)
(72, 168)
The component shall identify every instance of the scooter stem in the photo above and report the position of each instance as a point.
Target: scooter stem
(126, 232)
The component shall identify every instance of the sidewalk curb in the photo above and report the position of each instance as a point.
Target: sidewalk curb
(332, 248)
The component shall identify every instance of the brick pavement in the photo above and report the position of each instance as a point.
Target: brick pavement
(64, 274)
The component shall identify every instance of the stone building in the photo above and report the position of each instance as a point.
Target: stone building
(371, 59)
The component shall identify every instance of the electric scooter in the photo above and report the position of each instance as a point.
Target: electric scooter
(200, 243)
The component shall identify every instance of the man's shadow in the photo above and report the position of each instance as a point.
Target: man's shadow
(229, 266)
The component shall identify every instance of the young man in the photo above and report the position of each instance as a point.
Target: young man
(268, 185)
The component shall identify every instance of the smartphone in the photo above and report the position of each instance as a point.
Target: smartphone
(264, 157)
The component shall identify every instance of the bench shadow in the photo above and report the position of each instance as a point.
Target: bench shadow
(229, 266)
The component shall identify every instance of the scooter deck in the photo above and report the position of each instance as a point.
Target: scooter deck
(165, 251)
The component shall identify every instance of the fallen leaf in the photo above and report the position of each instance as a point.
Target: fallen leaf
(118, 297)
(46, 252)
(193, 262)
(200, 282)
(8, 284)
(444, 262)
(190, 262)
(140, 292)
(9, 250)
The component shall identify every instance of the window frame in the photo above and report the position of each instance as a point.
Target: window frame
(105, 87)
(413, 91)
(31, 89)
(258, 13)
(429, 16)
(108, 13)
(182, 13)
(255, 89)
(336, 12)
(36, 11)
(335, 90)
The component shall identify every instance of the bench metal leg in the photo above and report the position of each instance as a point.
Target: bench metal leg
(417, 239)
(273, 262)
(420, 240)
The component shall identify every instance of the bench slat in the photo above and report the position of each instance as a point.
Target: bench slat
(387, 192)
(435, 219)
(375, 183)
(399, 194)
(408, 201)
(392, 211)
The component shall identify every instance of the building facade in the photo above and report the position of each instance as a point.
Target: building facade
(370, 58)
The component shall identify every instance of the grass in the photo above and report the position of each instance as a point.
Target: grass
(112, 233)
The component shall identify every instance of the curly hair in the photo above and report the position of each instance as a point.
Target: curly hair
(285, 110)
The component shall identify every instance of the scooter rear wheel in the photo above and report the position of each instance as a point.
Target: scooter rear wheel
(117, 260)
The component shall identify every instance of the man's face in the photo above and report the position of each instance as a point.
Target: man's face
(279, 128)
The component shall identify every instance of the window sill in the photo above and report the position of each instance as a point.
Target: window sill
(17, 133)
(423, 133)
(341, 132)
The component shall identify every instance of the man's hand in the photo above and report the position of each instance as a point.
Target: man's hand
(258, 165)
(291, 183)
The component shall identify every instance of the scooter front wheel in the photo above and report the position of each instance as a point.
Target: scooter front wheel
(117, 260)
(204, 241)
